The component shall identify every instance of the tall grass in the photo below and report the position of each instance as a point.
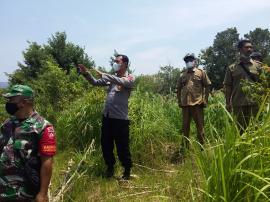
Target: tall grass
(154, 134)
(79, 124)
(236, 168)
(155, 125)
(231, 168)
(155, 122)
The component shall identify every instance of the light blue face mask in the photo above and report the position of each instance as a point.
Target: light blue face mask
(116, 67)
(189, 65)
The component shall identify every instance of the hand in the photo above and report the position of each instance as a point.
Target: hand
(99, 73)
(82, 68)
(229, 108)
(40, 197)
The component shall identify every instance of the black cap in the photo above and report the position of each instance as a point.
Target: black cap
(189, 55)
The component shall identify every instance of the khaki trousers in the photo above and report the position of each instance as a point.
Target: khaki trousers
(196, 113)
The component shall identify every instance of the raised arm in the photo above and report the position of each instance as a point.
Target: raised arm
(95, 82)
(89, 77)
(127, 82)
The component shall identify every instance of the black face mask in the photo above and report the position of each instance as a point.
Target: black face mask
(11, 108)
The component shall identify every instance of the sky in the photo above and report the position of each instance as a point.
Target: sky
(152, 33)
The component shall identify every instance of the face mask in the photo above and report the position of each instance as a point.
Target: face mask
(189, 65)
(11, 108)
(116, 67)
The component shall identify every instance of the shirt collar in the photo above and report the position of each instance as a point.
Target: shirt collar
(29, 119)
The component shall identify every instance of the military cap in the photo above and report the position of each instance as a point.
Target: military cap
(19, 90)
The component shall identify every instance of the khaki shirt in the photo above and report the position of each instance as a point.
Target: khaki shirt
(234, 74)
(191, 87)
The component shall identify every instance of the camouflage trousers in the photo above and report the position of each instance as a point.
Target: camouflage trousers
(12, 189)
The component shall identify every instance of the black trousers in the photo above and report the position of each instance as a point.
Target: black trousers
(115, 131)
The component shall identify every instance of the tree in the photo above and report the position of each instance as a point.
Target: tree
(261, 41)
(169, 76)
(218, 57)
(66, 54)
(55, 91)
(34, 58)
(63, 54)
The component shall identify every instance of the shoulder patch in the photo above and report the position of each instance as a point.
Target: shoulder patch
(233, 66)
(130, 77)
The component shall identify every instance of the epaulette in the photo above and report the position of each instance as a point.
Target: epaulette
(233, 65)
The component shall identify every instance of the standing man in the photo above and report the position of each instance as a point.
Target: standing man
(243, 69)
(115, 123)
(27, 147)
(192, 93)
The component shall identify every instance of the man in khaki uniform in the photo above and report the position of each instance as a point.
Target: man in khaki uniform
(192, 93)
(243, 69)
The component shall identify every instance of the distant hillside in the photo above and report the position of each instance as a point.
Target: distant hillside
(3, 84)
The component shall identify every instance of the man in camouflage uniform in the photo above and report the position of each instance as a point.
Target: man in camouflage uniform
(27, 145)
(243, 69)
(192, 93)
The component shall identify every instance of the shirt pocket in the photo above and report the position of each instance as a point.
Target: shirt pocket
(197, 81)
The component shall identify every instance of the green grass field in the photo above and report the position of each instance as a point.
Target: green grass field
(231, 167)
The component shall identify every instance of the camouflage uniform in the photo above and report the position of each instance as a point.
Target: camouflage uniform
(242, 106)
(22, 142)
(18, 144)
(191, 98)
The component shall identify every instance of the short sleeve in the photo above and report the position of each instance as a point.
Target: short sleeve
(206, 80)
(47, 142)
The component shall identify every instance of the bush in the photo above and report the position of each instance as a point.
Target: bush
(55, 90)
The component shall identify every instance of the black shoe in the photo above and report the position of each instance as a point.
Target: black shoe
(109, 172)
(126, 174)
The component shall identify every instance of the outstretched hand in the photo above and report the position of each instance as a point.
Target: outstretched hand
(99, 73)
(82, 68)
